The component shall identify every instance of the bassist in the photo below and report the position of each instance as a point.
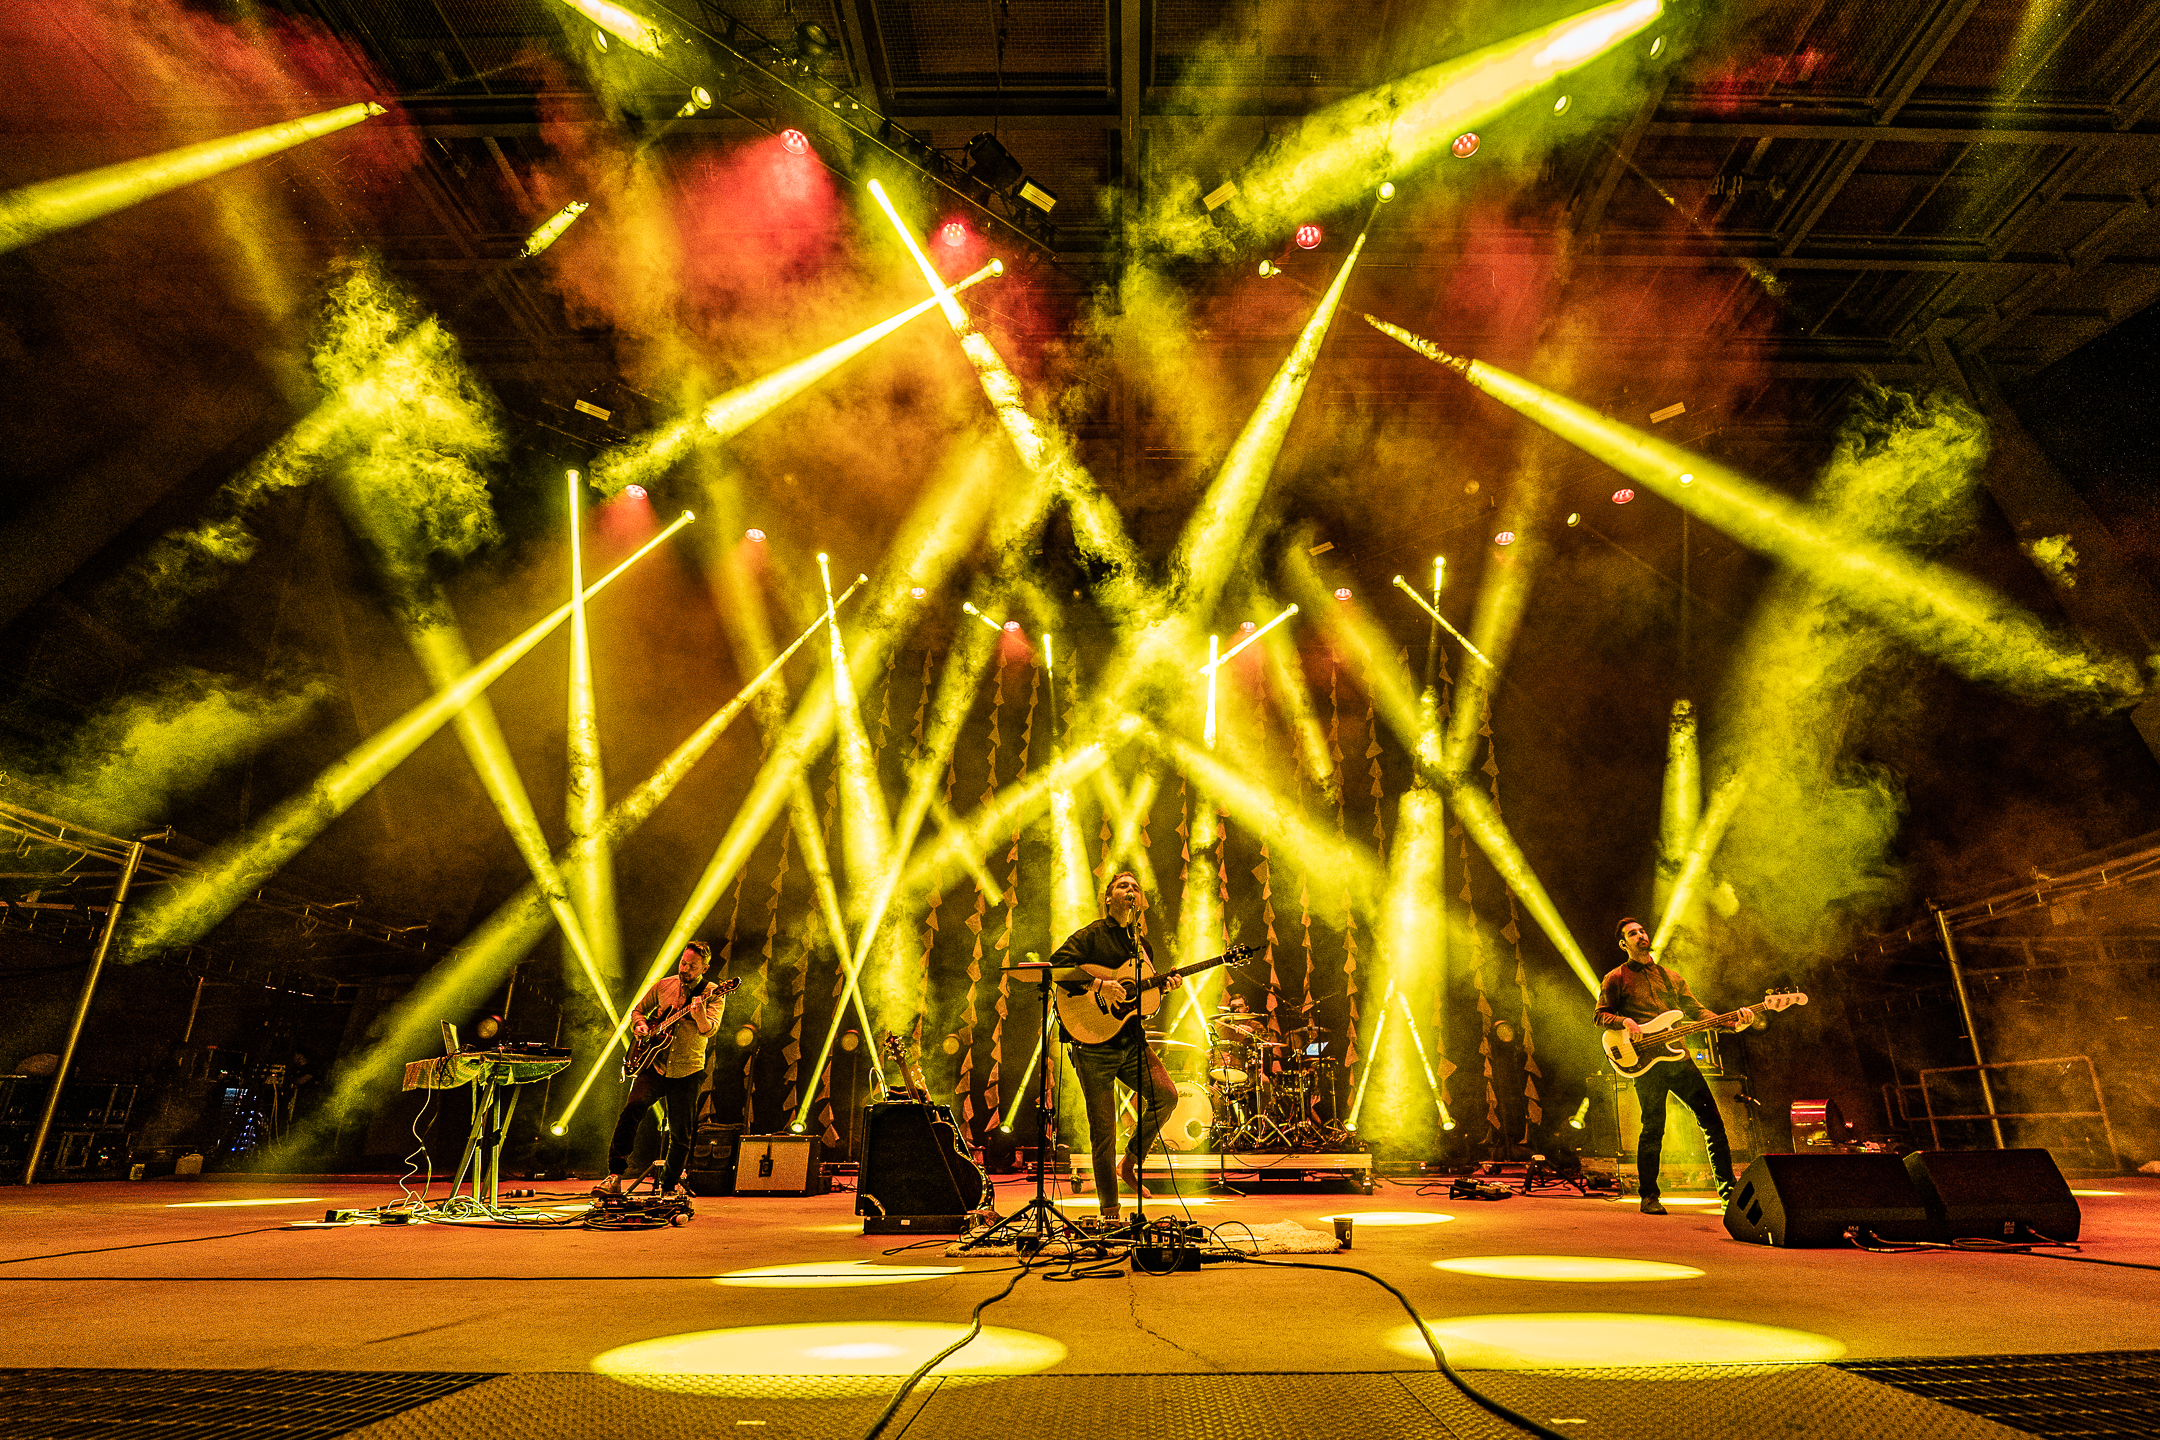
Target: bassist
(1091, 959)
(678, 1070)
(1641, 989)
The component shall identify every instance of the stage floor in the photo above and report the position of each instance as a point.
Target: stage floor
(584, 1332)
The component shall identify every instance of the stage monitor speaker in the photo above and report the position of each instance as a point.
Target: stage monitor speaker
(914, 1179)
(1994, 1193)
(1795, 1200)
(778, 1165)
(712, 1159)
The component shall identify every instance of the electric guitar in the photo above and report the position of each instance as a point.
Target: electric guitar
(1661, 1036)
(646, 1049)
(1091, 1020)
(903, 1077)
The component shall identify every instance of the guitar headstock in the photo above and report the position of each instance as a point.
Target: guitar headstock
(1243, 950)
(728, 986)
(895, 1050)
(1781, 1000)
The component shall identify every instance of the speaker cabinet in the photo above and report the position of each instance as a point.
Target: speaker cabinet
(1796, 1200)
(712, 1159)
(1994, 1193)
(914, 1177)
(1615, 1122)
(778, 1165)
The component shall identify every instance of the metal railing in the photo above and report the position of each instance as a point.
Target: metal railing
(1994, 1117)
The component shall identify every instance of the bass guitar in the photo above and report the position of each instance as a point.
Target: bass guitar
(1662, 1035)
(1090, 1019)
(647, 1049)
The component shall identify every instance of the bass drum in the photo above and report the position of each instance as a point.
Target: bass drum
(1193, 1121)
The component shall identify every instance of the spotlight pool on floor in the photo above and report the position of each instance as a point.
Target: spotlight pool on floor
(229, 1204)
(744, 1361)
(832, 1275)
(1579, 1268)
(1607, 1340)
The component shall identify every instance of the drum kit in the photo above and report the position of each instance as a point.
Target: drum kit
(1250, 1088)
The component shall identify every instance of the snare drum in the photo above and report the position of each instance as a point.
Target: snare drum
(1228, 1064)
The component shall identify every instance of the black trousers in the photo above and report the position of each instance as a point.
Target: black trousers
(678, 1101)
(1679, 1078)
(1125, 1059)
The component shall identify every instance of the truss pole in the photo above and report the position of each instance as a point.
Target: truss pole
(82, 1012)
(1972, 1031)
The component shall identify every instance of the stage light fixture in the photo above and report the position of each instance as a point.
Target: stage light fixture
(1465, 145)
(951, 1045)
(1269, 269)
(1574, 518)
(552, 228)
(1621, 497)
(1575, 1122)
(1343, 593)
(558, 1129)
(812, 44)
(916, 592)
(1035, 195)
(851, 1040)
(599, 40)
(796, 1127)
(1387, 190)
(1505, 537)
(1247, 628)
(754, 534)
(796, 142)
(1687, 479)
(1657, 47)
(489, 1027)
(745, 1037)
(635, 492)
(952, 232)
(990, 163)
(1559, 106)
(1308, 237)
(1012, 627)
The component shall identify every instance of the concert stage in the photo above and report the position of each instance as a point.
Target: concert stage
(170, 1308)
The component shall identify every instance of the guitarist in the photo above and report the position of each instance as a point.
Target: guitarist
(1091, 958)
(1641, 989)
(674, 1079)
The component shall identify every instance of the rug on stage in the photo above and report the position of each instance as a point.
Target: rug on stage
(1285, 1237)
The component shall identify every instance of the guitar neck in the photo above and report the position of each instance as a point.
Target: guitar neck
(1156, 982)
(1708, 1022)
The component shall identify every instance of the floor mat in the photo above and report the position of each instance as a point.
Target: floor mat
(2111, 1393)
(183, 1404)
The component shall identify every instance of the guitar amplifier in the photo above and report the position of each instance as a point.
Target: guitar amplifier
(779, 1165)
(712, 1159)
(914, 1179)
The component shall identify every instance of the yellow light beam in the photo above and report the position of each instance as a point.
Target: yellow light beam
(1410, 1021)
(1232, 653)
(1372, 1054)
(189, 910)
(1716, 820)
(591, 880)
(1207, 731)
(730, 414)
(968, 606)
(1680, 808)
(1348, 148)
(35, 211)
(1461, 639)
(516, 925)
(1933, 608)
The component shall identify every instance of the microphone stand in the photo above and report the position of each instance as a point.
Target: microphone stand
(1038, 1219)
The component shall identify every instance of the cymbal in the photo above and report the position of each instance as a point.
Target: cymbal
(1157, 1037)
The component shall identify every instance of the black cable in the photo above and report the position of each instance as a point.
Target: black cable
(1440, 1359)
(141, 1245)
(974, 1328)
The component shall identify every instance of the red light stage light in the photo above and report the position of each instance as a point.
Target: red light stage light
(952, 232)
(635, 492)
(1247, 628)
(917, 593)
(757, 535)
(798, 143)
(1621, 497)
(1308, 237)
(1012, 627)
(1465, 145)
(1505, 537)
(1343, 594)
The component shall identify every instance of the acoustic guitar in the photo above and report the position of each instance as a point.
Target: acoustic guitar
(645, 1050)
(1091, 1020)
(1661, 1035)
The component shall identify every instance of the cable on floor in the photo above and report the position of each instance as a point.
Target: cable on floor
(899, 1398)
(1440, 1359)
